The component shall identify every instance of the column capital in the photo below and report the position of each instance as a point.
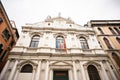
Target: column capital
(76, 60)
(9, 58)
(45, 60)
(34, 67)
(73, 60)
(103, 61)
(38, 59)
(13, 59)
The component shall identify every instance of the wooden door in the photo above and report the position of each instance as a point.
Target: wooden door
(60, 75)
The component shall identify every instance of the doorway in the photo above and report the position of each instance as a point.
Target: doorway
(60, 75)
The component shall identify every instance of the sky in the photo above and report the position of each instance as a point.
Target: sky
(80, 11)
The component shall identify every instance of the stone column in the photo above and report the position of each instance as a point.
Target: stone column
(47, 70)
(33, 74)
(13, 71)
(112, 74)
(82, 71)
(104, 72)
(16, 74)
(38, 71)
(100, 73)
(51, 74)
(74, 71)
(4, 69)
(70, 75)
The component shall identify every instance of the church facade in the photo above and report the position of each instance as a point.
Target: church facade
(58, 49)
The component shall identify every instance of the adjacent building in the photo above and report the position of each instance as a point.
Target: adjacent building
(8, 36)
(58, 49)
(108, 34)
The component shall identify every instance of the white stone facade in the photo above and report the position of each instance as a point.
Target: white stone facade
(45, 59)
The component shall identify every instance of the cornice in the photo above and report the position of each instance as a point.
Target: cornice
(56, 29)
(107, 35)
(59, 55)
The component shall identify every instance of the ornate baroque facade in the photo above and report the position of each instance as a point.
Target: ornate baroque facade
(58, 49)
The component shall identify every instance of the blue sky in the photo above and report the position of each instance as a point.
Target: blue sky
(80, 11)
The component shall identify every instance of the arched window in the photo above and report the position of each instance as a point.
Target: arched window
(117, 30)
(34, 41)
(118, 39)
(93, 73)
(26, 68)
(116, 58)
(60, 42)
(107, 43)
(84, 43)
(112, 31)
(100, 30)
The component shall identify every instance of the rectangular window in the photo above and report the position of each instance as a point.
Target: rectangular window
(34, 44)
(6, 34)
(84, 45)
(34, 41)
(1, 20)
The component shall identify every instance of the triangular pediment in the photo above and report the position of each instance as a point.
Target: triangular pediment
(58, 63)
